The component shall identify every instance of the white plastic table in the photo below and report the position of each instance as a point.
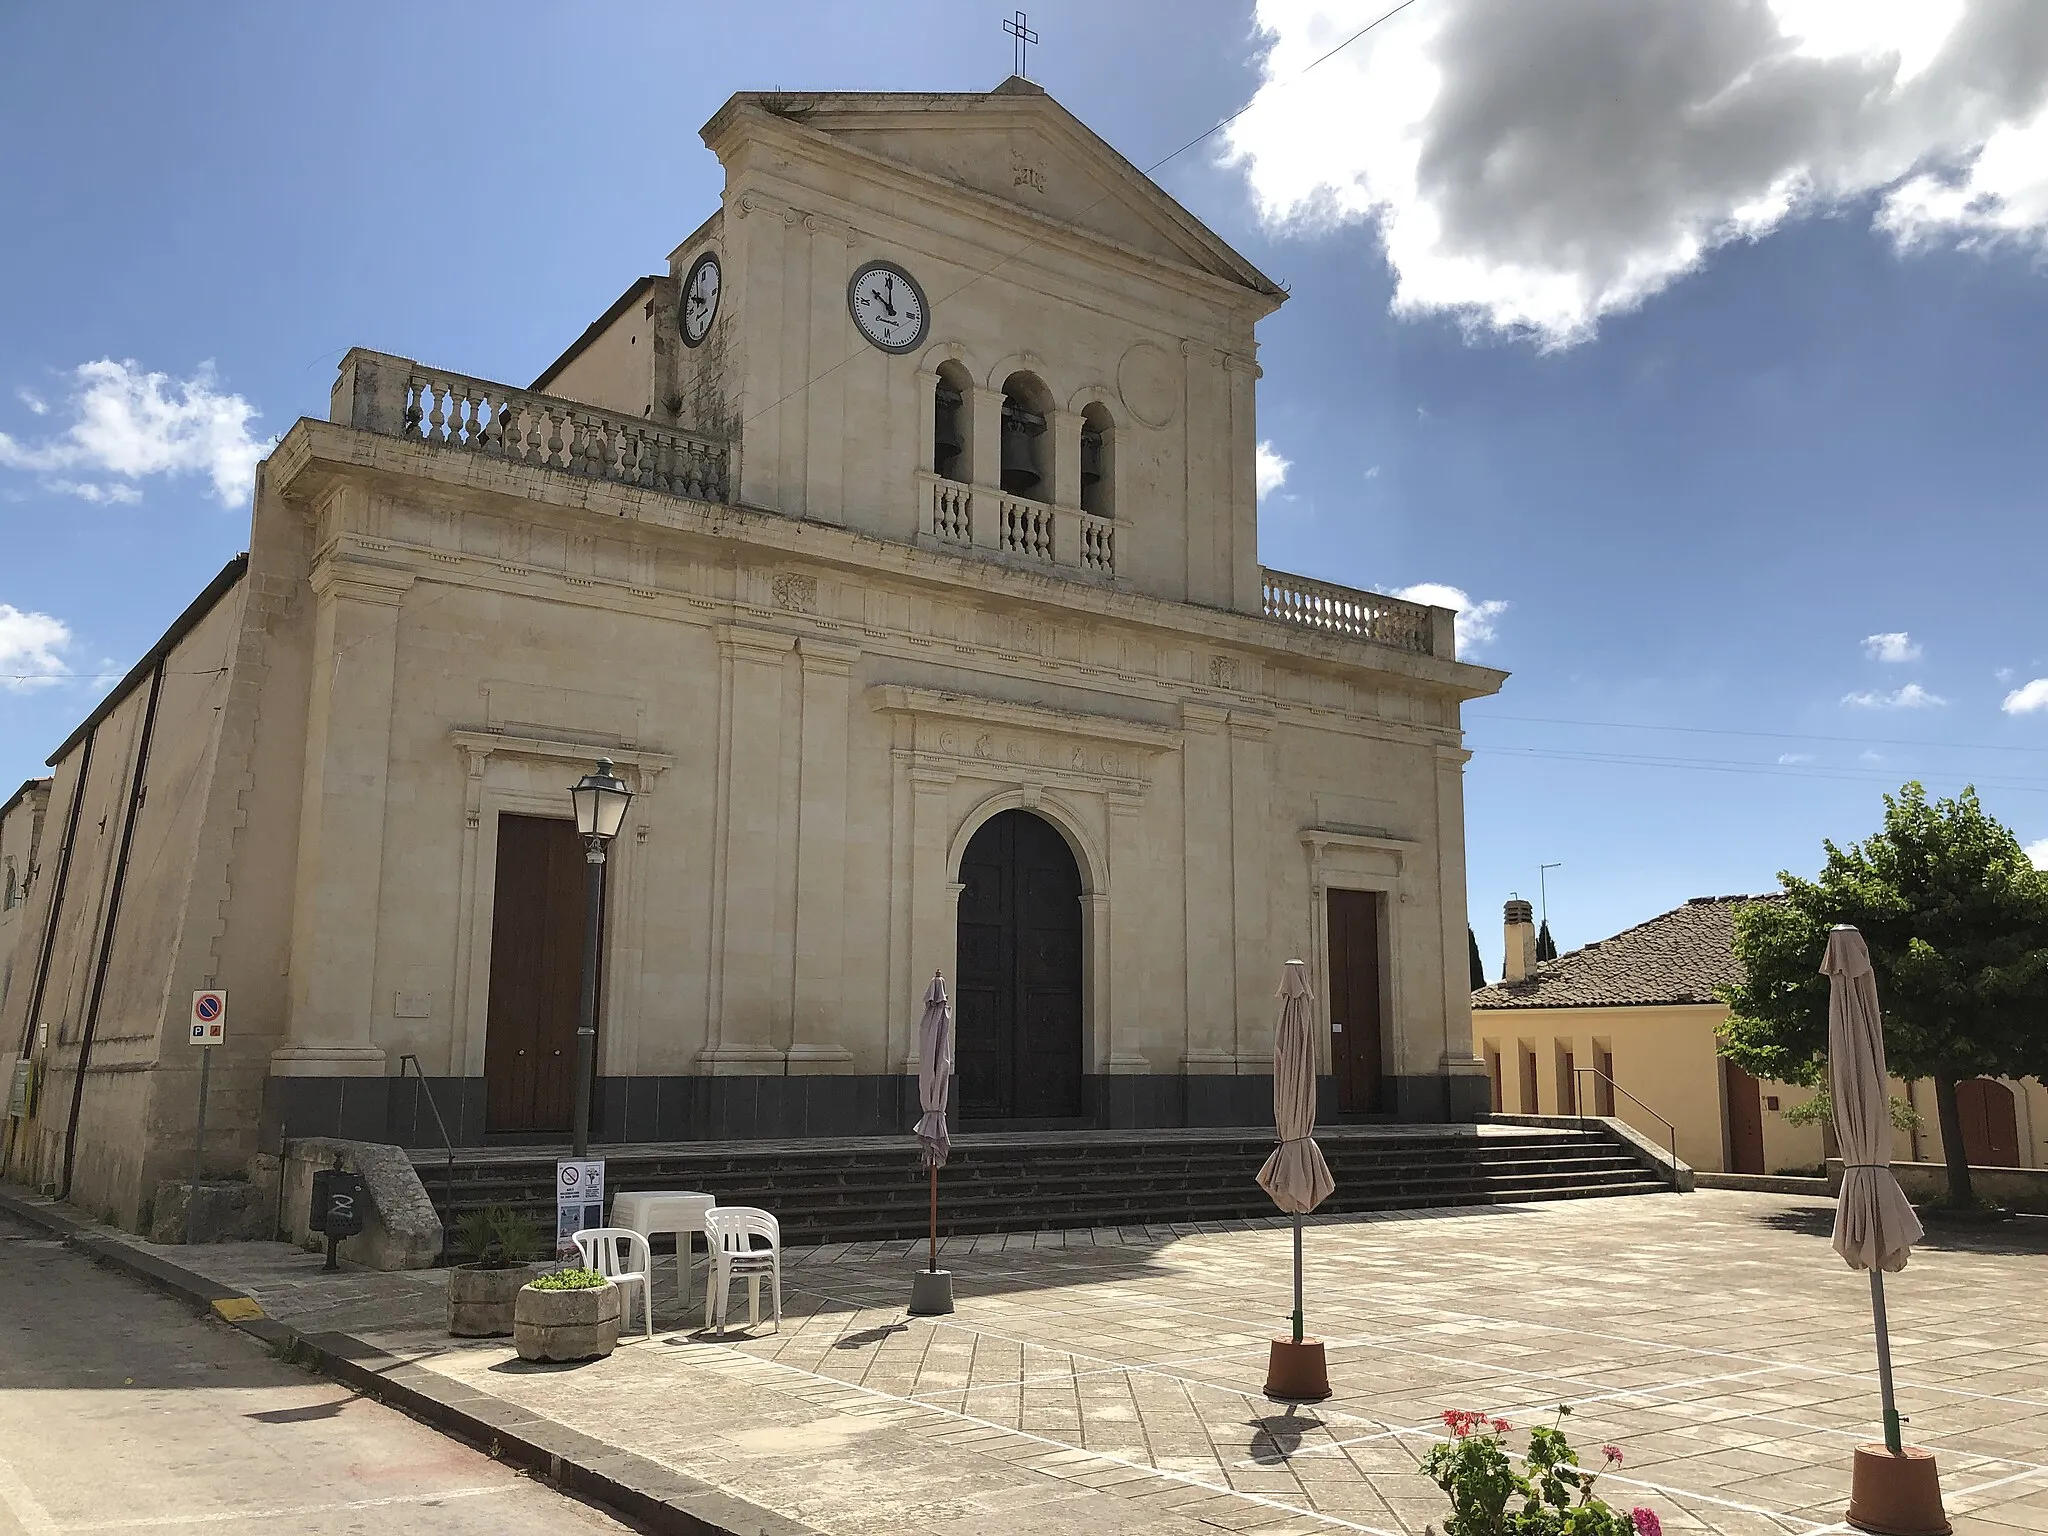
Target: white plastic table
(679, 1212)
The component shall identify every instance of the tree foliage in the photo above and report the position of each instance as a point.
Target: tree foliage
(1478, 965)
(1546, 946)
(1956, 918)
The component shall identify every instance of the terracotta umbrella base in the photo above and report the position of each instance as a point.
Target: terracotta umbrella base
(1297, 1372)
(1896, 1495)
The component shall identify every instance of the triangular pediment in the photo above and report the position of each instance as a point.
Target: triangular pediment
(1015, 144)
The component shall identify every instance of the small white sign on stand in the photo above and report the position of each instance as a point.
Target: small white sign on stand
(579, 1201)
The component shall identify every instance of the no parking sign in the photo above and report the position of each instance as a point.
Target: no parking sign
(209, 1017)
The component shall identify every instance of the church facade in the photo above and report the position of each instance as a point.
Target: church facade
(898, 545)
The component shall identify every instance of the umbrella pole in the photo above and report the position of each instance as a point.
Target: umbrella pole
(1884, 1364)
(934, 1265)
(1297, 1283)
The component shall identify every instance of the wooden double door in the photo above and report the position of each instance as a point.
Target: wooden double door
(1358, 1054)
(536, 976)
(1019, 1045)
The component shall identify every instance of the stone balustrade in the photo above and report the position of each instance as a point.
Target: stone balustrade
(399, 398)
(981, 517)
(1339, 610)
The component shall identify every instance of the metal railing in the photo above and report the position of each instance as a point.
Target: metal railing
(1579, 1108)
(419, 1078)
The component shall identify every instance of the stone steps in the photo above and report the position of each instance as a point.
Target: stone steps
(873, 1189)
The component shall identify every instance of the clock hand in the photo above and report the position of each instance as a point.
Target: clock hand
(876, 295)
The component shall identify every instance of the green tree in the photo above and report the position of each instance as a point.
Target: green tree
(1478, 965)
(1546, 946)
(1956, 918)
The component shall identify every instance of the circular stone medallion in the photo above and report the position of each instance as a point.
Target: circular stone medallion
(1149, 383)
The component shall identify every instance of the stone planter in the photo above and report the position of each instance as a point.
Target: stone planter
(480, 1301)
(565, 1325)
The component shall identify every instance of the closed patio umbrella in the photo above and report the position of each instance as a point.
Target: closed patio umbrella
(1895, 1489)
(1295, 1176)
(932, 1288)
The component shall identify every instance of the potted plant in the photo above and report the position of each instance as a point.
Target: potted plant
(567, 1314)
(1550, 1494)
(481, 1293)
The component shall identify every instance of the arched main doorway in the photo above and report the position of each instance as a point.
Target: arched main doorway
(1018, 1050)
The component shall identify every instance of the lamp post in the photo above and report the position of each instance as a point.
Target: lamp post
(601, 799)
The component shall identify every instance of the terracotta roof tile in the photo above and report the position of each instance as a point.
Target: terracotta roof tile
(1679, 956)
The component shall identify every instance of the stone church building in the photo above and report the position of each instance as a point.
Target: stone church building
(899, 546)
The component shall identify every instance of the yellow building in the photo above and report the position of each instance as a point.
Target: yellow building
(1629, 1026)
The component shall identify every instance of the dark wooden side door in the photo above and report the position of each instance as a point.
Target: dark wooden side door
(1745, 1111)
(536, 976)
(1357, 1051)
(1019, 1046)
(1991, 1132)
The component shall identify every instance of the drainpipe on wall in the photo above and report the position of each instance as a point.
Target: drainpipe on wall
(136, 788)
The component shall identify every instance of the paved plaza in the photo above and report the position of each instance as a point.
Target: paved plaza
(1108, 1381)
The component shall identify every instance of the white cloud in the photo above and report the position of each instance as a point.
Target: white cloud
(2027, 698)
(130, 423)
(1912, 696)
(1533, 168)
(1893, 645)
(1475, 620)
(1795, 757)
(33, 401)
(102, 493)
(2037, 853)
(29, 647)
(1270, 470)
(1373, 473)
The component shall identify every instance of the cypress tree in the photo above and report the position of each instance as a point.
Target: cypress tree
(1546, 946)
(1478, 965)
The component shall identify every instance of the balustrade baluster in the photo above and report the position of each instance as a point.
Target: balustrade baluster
(435, 390)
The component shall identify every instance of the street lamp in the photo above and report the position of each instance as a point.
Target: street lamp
(601, 799)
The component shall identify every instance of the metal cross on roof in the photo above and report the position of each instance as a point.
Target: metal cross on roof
(1019, 28)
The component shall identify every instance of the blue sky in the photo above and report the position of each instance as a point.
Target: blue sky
(1707, 403)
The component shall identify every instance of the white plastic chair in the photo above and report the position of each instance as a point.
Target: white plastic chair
(730, 1231)
(622, 1256)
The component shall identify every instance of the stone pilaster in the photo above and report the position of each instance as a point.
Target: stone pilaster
(819, 1041)
(1210, 971)
(341, 822)
(746, 848)
(1258, 962)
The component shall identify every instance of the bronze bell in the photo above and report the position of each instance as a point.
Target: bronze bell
(1021, 431)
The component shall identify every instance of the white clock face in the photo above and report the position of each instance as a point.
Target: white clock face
(887, 305)
(700, 298)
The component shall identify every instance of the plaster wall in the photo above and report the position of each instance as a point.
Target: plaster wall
(21, 835)
(616, 369)
(836, 430)
(1667, 1057)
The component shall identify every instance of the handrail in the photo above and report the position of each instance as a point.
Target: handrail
(1579, 1105)
(448, 1177)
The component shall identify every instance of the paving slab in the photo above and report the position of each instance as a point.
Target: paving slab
(1109, 1380)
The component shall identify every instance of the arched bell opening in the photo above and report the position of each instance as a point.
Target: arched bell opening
(951, 432)
(1027, 446)
(1098, 460)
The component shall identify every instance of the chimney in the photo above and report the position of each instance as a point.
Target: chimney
(1519, 920)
